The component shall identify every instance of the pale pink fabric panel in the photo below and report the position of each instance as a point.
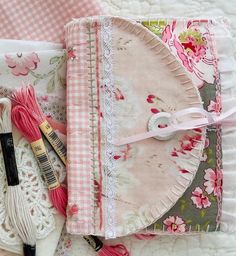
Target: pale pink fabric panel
(42, 20)
(79, 154)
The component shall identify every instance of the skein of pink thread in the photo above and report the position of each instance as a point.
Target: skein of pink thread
(29, 129)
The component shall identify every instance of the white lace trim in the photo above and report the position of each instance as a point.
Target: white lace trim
(108, 82)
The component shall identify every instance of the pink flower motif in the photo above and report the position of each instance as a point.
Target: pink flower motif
(124, 154)
(154, 110)
(204, 157)
(150, 98)
(117, 157)
(175, 224)
(68, 243)
(182, 55)
(207, 143)
(22, 64)
(174, 153)
(71, 53)
(73, 210)
(199, 199)
(190, 46)
(193, 49)
(215, 106)
(166, 34)
(184, 171)
(44, 98)
(118, 94)
(214, 180)
(189, 142)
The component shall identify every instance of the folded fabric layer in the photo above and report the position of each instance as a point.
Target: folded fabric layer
(7, 45)
(44, 19)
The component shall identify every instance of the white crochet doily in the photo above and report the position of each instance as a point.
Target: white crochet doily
(34, 190)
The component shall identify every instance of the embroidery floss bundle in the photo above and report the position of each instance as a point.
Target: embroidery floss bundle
(16, 204)
(29, 129)
(58, 194)
(106, 250)
(26, 97)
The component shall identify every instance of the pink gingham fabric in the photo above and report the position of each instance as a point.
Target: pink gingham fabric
(42, 20)
(79, 155)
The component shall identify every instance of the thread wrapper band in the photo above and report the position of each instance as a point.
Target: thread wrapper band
(29, 250)
(44, 162)
(94, 242)
(54, 140)
(9, 159)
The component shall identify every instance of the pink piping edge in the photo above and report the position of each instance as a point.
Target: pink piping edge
(218, 128)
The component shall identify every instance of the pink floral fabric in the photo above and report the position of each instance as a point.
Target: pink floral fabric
(215, 106)
(191, 45)
(174, 224)
(214, 180)
(199, 199)
(21, 64)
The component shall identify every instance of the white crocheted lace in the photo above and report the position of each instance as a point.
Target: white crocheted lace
(106, 31)
(34, 190)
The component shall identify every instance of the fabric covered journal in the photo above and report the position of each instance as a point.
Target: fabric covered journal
(121, 74)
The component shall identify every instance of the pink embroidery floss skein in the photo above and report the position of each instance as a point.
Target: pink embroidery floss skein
(26, 97)
(29, 129)
(16, 204)
(106, 250)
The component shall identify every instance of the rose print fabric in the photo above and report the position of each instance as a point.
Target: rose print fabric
(199, 209)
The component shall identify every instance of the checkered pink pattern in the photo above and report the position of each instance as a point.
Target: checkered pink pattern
(42, 19)
(79, 148)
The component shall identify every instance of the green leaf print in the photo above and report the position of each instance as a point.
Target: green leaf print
(157, 226)
(51, 85)
(205, 225)
(202, 213)
(54, 59)
(156, 26)
(212, 198)
(62, 81)
(188, 222)
(182, 205)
